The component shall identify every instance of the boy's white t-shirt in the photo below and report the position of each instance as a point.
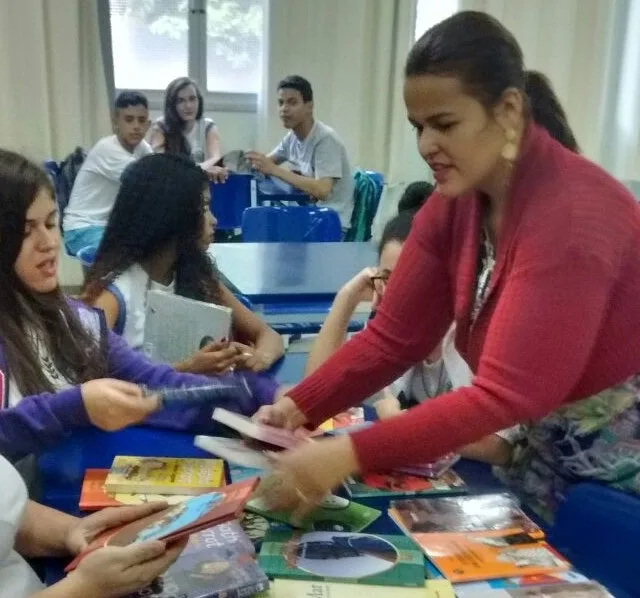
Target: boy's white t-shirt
(98, 182)
(17, 579)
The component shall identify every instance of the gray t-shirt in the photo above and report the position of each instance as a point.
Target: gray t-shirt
(321, 155)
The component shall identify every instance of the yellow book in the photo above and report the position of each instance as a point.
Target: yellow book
(163, 475)
(288, 588)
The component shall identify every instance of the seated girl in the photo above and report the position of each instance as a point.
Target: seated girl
(157, 238)
(441, 371)
(56, 353)
(183, 130)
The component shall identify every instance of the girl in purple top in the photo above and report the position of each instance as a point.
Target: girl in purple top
(60, 366)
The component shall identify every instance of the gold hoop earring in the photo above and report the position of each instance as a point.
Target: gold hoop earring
(510, 149)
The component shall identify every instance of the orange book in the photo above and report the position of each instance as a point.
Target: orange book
(93, 495)
(473, 556)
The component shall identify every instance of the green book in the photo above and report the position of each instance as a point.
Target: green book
(334, 513)
(343, 557)
(403, 484)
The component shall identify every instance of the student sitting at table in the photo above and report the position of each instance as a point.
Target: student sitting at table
(157, 239)
(443, 370)
(56, 353)
(318, 160)
(98, 180)
(29, 529)
(183, 130)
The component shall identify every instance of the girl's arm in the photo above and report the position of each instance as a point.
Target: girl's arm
(107, 302)
(251, 330)
(155, 138)
(213, 153)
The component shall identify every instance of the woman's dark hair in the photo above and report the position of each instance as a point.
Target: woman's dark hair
(174, 139)
(485, 56)
(397, 229)
(415, 195)
(159, 205)
(24, 313)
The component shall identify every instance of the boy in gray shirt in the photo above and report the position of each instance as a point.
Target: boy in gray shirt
(318, 159)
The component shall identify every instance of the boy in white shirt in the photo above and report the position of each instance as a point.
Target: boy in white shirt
(97, 184)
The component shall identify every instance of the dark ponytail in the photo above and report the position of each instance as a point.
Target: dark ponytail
(485, 56)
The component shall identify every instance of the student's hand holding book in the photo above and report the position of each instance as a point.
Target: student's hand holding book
(114, 404)
(214, 358)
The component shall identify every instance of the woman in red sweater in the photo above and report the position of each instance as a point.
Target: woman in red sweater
(534, 252)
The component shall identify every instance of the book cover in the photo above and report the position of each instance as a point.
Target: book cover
(462, 514)
(334, 513)
(164, 475)
(471, 556)
(94, 496)
(271, 435)
(565, 590)
(218, 562)
(237, 473)
(343, 557)
(346, 419)
(234, 450)
(432, 470)
(293, 588)
(472, 589)
(177, 521)
(403, 484)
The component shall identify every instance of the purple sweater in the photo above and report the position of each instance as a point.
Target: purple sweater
(40, 421)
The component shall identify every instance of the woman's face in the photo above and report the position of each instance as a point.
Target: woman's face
(37, 263)
(209, 221)
(458, 137)
(187, 103)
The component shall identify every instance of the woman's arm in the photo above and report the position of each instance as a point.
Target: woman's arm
(213, 153)
(43, 531)
(155, 138)
(251, 330)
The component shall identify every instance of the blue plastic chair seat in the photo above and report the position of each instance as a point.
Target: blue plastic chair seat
(292, 224)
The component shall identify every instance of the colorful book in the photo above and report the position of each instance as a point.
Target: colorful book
(277, 437)
(94, 496)
(234, 451)
(237, 473)
(580, 590)
(471, 556)
(178, 521)
(333, 513)
(482, 512)
(343, 557)
(403, 484)
(164, 475)
(431, 470)
(218, 562)
(473, 589)
(293, 588)
(347, 419)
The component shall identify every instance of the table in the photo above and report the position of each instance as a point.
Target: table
(291, 272)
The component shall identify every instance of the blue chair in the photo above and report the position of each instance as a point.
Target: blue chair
(87, 255)
(293, 224)
(598, 530)
(230, 199)
(274, 191)
(378, 179)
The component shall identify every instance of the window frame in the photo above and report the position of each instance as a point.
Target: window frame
(214, 101)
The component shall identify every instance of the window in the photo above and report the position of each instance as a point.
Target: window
(216, 42)
(431, 12)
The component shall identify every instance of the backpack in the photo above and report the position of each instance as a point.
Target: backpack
(67, 174)
(365, 198)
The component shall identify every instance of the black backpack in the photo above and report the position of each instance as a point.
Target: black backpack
(67, 174)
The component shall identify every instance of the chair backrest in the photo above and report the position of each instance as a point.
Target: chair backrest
(293, 224)
(87, 255)
(230, 199)
(366, 196)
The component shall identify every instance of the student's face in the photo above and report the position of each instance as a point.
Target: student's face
(388, 259)
(209, 221)
(37, 262)
(293, 110)
(457, 136)
(131, 125)
(187, 103)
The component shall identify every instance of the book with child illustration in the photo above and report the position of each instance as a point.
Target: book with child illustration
(270, 435)
(164, 475)
(343, 557)
(218, 562)
(295, 588)
(176, 326)
(404, 484)
(94, 496)
(333, 513)
(178, 521)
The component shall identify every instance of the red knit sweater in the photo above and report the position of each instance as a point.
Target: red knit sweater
(561, 320)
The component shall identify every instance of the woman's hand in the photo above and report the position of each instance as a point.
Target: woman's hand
(250, 358)
(284, 413)
(302, 477)
(215, 358)
(114, 404)
(388, 406)
(112, 571)
(218, 174)
(86, 529)
(359, 288)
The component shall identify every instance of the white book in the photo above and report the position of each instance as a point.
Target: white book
(234, 451)
(244, 425)
(175, 326)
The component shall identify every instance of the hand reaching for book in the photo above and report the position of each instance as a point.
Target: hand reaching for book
(284, 413)
(214, 358)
